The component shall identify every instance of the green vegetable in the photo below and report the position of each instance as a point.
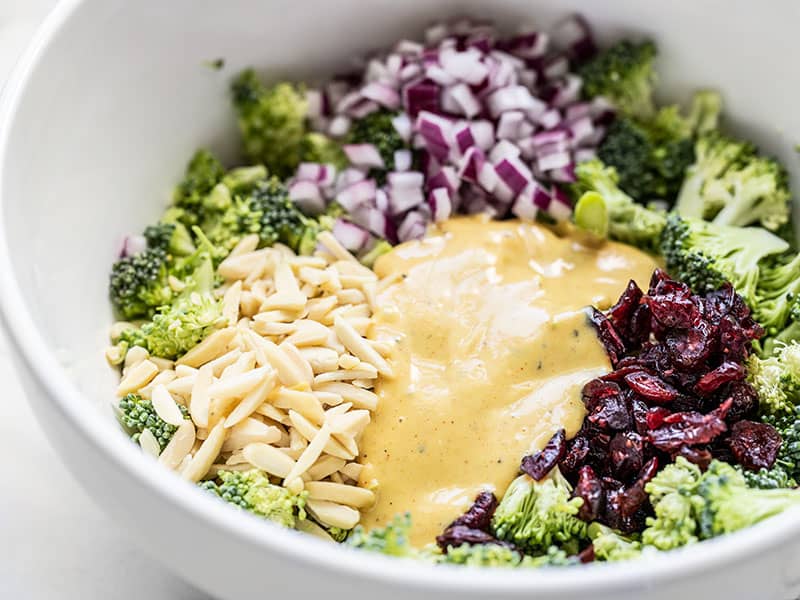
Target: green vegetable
(591, 214)
(777, 380)
(691, 505)
(377, 129)
(252, 491)
(624, 75)
(136, 414)
(628, 221)
(705, 255)
(139, 284)
(203, 172)
(534, 515)
(380, 248)
(391, 540)
(272, 121)
(612, 546)
(769, 479)
(788, 461)
(483, 555)
(777, 306)
(172, 237)
(731, 184)
(651, 156)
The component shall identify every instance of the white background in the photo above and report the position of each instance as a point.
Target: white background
(55, 543)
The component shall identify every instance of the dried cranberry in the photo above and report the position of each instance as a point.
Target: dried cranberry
(590, 489)
(638, 411)
(611, 414)
(461, 534)
(626, 455)
(725, 373)
(744, 402)
(586, 555)
(621, 371)
(622, 311)
(651, 387)
(734, 340)
(674, 309)
(719, 303)
(690, 348)
(597, 390)
(754, 445)
(699, 456)
(687, 428)
(479, 515)
(538, 465)
(611, 340)
(577, 450)
(640, 325)
(656, 278)
(656, 416)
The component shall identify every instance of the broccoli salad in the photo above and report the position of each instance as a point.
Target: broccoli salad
(478, 301)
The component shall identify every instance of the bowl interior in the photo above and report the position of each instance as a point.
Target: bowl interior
(120, 97)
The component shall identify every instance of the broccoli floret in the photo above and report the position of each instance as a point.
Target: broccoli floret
(319, 148)
(777, 380)
(768, 479)
(482, 555)
(136, 414)
(705, 255)
(253, 492)
(203, 172)
(624, 75)
(139, 284)
(391, 540)
(778, 300)
(377, 129)
(611, 546)
(788, 460)
(730, 183)
(691, 505)
(628, 221)
(380, 248)
(172, 237)
(272, 121)
(338, 534)
(534, 515)
(651, 156)
(281, 220)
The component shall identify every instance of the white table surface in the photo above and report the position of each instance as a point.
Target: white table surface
(55, 543)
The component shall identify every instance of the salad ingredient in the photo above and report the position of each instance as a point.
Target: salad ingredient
(203, 172)
(731, 184)
(628, 221)
(534, 515)
(392, 539)
(677, 389)
(623, 74)
(705, 256)
(379, 130)
(777, 380)
(611, 546)
(253, 492)
(138, 414)
(690, 504)
(491, 339)
(776, 304)
(651, 156)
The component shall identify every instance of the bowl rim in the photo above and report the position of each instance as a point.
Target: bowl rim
(52, 378)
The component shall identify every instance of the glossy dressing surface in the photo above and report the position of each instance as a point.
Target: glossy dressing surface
(493, 348)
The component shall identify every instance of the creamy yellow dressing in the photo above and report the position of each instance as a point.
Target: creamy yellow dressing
(493, 348)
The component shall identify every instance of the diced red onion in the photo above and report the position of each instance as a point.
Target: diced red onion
(132, 245)
(437, 74)
(553, 160)
(573, 35)
(403, 199)
(584, 154)
(560, 208)
(464, 66)
(339, 126)
(568, 91)
(363, 155)
(528, 45)
(514, 97)
(350, 235)
(509, 124)
(409, 48)
(464, 138)
(364, 108)
(524, 206)
(555, 66)
(580, 129)
(403, 160)
(550, 118)
(487, 177)
(564, 174)
(402, 124)
(382, 94)
(413, 226)
(471, 164)
(483, 133)
(594, 138)
(446, 177)
(348, 177)
(357, 194)
(382, 201)
(436, 33)
(308, 172)
(465, 99)
(406, 180)
(514, 174)
(307, 195)
(503, 149)
(409, 72)
(440, 203)
(577, 110)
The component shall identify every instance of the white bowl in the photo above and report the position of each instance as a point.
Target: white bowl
(95, 127)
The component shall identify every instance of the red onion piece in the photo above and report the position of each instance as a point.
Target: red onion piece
(350, 235)
(363, 155)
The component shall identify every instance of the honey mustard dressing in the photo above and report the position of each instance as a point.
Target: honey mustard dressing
(492, 350)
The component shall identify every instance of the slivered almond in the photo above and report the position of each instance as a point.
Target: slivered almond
(347, 442)
(319, 307)
(305, 428)
(360, 398)
(205, 455)
(288, 372)
(276, 328)
(163, 364)
(253, 399)
(351, 296)
(230, 303)
(236, 386)
(242, 265)
(200, 401)
(332, 514)
(297, 441)
(352, 471)
(182, 386)
(335, 248)
(269, 459)
(249, 304)
(149, 443)
(340, 493)
(328, 398)
(134, 356)
(273, 413)
(314, 276)
(179, 446)
(305, 403)
(348, 361)
(250, 431)
(246, 245)
(210, 348)
(285, 301)
(163, 378)
(324, 467)
(300, 363)
(137, 377)
(351, 423)
(184, 370)
(321, 359)
(344, 375)
(241, 365)
(308, 333)
(370, 294)
(165, 406)
(310, 454)
(220, 364)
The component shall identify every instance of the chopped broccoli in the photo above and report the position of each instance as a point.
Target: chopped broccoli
(768, 479)
(777, 380)
(281, 220)
(705, 255)
(391, 540)
(691, 505)
(482, 555)
(203, 172)
(338, 534)
(788, 426)
(534, 515)
(253, 492)
(731, 184)
(651, 157)
(172, 237)
(611, 546)
(377, 129)
(139, 284)
(628, 221)
(137, 414)
(272, 121)
(705, 111)
(380, 248)
(624, 75)
(778, 300)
